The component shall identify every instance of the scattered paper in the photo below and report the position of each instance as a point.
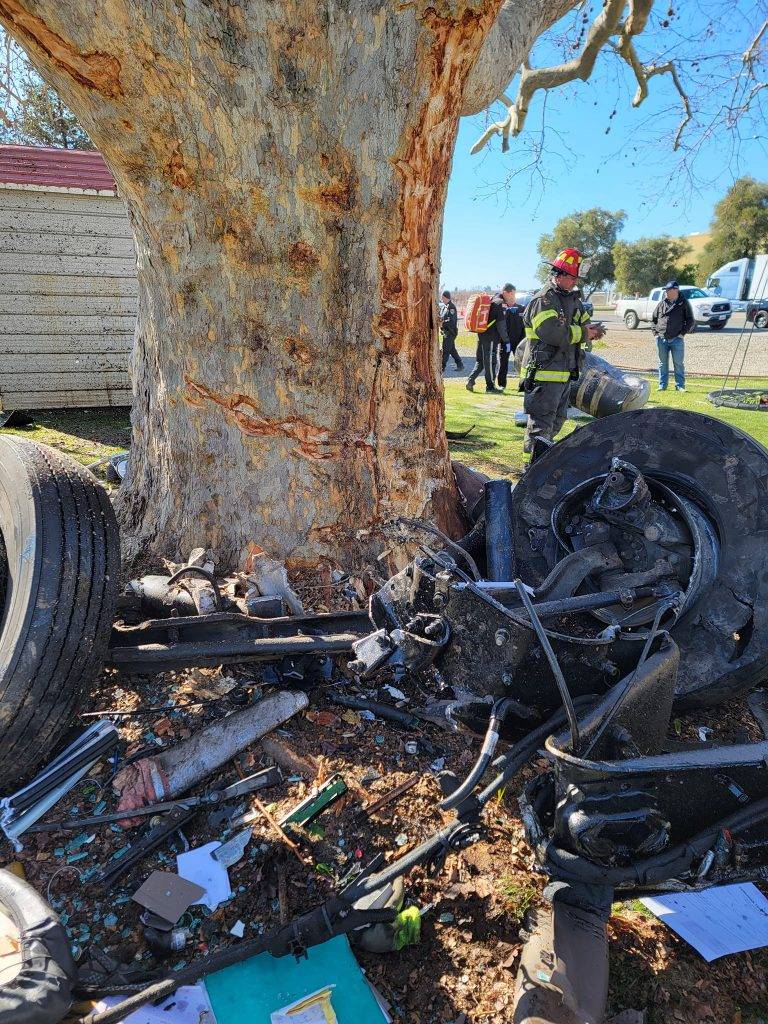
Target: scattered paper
(188, 1005)
(199, 866)
(312, 1009)
(717, 921)
(237, 929)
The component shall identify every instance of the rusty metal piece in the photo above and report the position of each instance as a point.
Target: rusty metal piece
(194, 640)
(282, 891)
(393, 794)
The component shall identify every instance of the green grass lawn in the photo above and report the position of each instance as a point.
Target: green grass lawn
(495, 446)
(85, 434)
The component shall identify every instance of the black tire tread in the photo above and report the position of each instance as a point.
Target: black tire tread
(79, 579)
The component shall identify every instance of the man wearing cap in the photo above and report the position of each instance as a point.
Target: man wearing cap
(671, 320)
(513, 314)
(449, 326)
(556, 328)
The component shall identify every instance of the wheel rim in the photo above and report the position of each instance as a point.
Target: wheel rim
(702, 539)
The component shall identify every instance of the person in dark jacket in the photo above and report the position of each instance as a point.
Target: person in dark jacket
(449, 326)
(513, 314)
(671, 320)
(494, 335)
(557, 327)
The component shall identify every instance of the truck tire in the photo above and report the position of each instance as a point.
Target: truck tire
(631, 319)
(723, 636)
(761, 318)
(60, 553)
(36, 988)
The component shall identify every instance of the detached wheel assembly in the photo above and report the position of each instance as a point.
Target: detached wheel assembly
(59, 568)
(686, 498)
(641, 523)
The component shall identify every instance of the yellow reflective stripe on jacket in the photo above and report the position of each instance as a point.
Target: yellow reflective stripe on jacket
(530, 333)
(576, 331)
(538, 318)
(548, 376)
(582, 317)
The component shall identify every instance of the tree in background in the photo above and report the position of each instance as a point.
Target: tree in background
(648, 263)
(739, 227)
(31, 113)
(593, 232)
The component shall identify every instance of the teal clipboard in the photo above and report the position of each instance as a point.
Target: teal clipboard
(248, 993)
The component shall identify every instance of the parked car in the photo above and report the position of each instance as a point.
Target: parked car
(757, 313)
(709, 310)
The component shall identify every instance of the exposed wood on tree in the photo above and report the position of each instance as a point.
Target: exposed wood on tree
(285, 167)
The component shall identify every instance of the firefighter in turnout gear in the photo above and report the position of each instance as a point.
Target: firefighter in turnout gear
(556, 329)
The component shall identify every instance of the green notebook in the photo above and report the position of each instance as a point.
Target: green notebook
(248, 993)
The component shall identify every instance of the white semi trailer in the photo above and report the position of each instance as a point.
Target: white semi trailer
(741, 281)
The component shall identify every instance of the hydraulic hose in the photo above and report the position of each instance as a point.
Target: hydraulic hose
(511, 762)
(499, 712)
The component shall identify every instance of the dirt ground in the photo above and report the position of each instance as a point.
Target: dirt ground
(463, 968)
(742, 349)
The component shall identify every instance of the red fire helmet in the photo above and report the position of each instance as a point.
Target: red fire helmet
(571, 261)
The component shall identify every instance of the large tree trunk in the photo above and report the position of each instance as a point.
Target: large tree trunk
(285, 166)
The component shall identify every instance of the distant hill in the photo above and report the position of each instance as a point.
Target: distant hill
(695, 242)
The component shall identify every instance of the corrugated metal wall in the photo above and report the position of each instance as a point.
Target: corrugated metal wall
(67, 300)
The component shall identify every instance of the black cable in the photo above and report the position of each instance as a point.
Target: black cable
(498, 714)
(196, 570)
(518, 755)
(554, 665)
(433, 530)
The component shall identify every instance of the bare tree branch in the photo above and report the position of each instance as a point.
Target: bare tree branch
(532, 80)
(506, 46)
(748, 56)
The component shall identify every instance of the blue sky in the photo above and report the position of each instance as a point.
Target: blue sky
(492, 224)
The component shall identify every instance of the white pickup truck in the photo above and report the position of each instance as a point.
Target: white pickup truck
(707, 309)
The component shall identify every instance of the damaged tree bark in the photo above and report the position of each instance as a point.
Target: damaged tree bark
(285, 167)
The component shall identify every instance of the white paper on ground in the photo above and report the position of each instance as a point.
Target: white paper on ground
(188, 1005)
(199, 866)
(718, 921)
